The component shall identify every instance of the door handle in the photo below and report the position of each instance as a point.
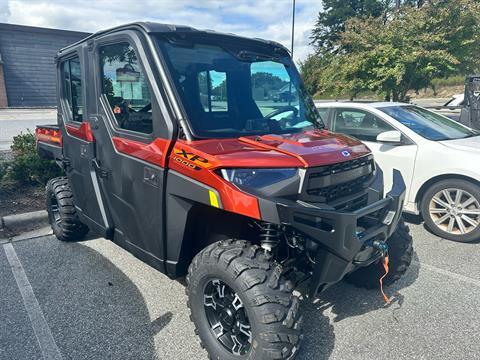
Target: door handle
(151, 176)
(101, 172)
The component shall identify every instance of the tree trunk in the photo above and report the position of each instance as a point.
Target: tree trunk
(395, 95)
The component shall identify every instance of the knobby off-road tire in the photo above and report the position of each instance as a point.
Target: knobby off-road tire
(265, 296)
(400, 252)
(61, 211)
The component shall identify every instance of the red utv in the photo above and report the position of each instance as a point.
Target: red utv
(174, 148)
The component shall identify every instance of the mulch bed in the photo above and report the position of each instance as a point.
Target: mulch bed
(22, 200)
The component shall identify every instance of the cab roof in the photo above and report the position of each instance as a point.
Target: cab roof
(159, 28)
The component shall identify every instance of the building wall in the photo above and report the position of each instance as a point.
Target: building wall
(3, 89)
(28, 62)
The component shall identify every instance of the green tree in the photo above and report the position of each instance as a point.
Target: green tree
(415, 45)
(332, 19)
(311, 69)
(267, 81)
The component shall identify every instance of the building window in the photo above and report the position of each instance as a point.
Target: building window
(72, 88)
(126, 88)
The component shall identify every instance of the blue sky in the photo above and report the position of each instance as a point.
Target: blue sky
(268, 19)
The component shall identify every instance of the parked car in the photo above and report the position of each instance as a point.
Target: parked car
(452, 108)
(438, 158)
(456, 101)
(249, 209)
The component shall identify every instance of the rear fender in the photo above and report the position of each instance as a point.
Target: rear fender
(49, 142)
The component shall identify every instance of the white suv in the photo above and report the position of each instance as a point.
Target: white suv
(438, 158)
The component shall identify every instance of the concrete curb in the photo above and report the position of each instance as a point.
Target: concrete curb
(27, 219)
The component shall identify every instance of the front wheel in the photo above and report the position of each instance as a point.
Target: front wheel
(241, 305)
(451, 210)
(400, 251)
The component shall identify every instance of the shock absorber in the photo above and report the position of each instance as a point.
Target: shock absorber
(269, 236)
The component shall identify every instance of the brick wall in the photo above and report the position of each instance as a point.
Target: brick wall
(28, 63)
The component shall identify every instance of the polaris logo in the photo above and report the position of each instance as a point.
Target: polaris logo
(345, 153)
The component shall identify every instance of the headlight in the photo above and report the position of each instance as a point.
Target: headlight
(257, 178)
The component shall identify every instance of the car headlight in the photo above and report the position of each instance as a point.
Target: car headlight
(257, 178)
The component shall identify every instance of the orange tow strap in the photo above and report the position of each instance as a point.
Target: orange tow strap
(385, 266)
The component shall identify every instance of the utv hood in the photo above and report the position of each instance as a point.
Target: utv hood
(306, 149)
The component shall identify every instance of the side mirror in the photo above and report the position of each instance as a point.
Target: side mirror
(392, 137)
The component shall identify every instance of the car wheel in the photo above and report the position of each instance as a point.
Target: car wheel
(241, 305)
(62, 214)
(451, 210)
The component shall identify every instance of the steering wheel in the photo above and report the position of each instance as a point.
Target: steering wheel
(282, 110)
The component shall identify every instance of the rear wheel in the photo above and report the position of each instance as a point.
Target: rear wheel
(62, 214)
(400, 251)
(241, 305)
(451, 210)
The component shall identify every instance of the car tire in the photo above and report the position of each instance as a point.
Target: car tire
(266, 306)
(400, 252)
(62, 214)
(443, 213)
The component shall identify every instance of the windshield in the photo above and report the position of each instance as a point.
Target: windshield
(428, 124)
(232, 90)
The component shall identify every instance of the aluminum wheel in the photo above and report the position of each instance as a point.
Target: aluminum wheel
(227, 317)
(455, 211)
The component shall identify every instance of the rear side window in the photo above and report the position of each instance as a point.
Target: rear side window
(72, 90)
(126, 88)
(359, 123)
(323, 113)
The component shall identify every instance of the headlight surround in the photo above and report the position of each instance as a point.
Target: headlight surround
(258, 178)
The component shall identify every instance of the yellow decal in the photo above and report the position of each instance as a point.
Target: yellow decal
(213, 199)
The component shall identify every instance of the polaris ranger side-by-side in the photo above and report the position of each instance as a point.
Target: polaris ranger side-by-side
(177, 146)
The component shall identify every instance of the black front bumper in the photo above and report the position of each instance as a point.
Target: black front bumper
(342, 240)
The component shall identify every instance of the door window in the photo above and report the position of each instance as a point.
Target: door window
(272, 89)
(359, 123)
(72, 90)
(212, 86)
(126, 87)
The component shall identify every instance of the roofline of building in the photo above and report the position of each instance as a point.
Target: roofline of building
(17, 27)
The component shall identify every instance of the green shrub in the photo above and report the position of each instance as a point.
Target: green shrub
(26, 168)
(457, 80)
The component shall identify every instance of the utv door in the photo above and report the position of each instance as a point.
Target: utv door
(78, 142)
(132, 142)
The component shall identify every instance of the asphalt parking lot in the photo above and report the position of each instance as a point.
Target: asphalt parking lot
(93, 300)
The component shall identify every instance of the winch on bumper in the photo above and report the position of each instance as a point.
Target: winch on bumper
(340, 240)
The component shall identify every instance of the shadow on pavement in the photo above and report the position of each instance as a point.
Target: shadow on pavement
(93, 309)
(412, 219)
(342, 301)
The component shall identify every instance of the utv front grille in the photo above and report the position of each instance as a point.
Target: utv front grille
(330, 183)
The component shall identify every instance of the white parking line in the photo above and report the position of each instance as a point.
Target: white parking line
(40, 327)
(450, 274)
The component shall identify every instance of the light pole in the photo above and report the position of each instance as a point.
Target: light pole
(293, 26)
(291, 51)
